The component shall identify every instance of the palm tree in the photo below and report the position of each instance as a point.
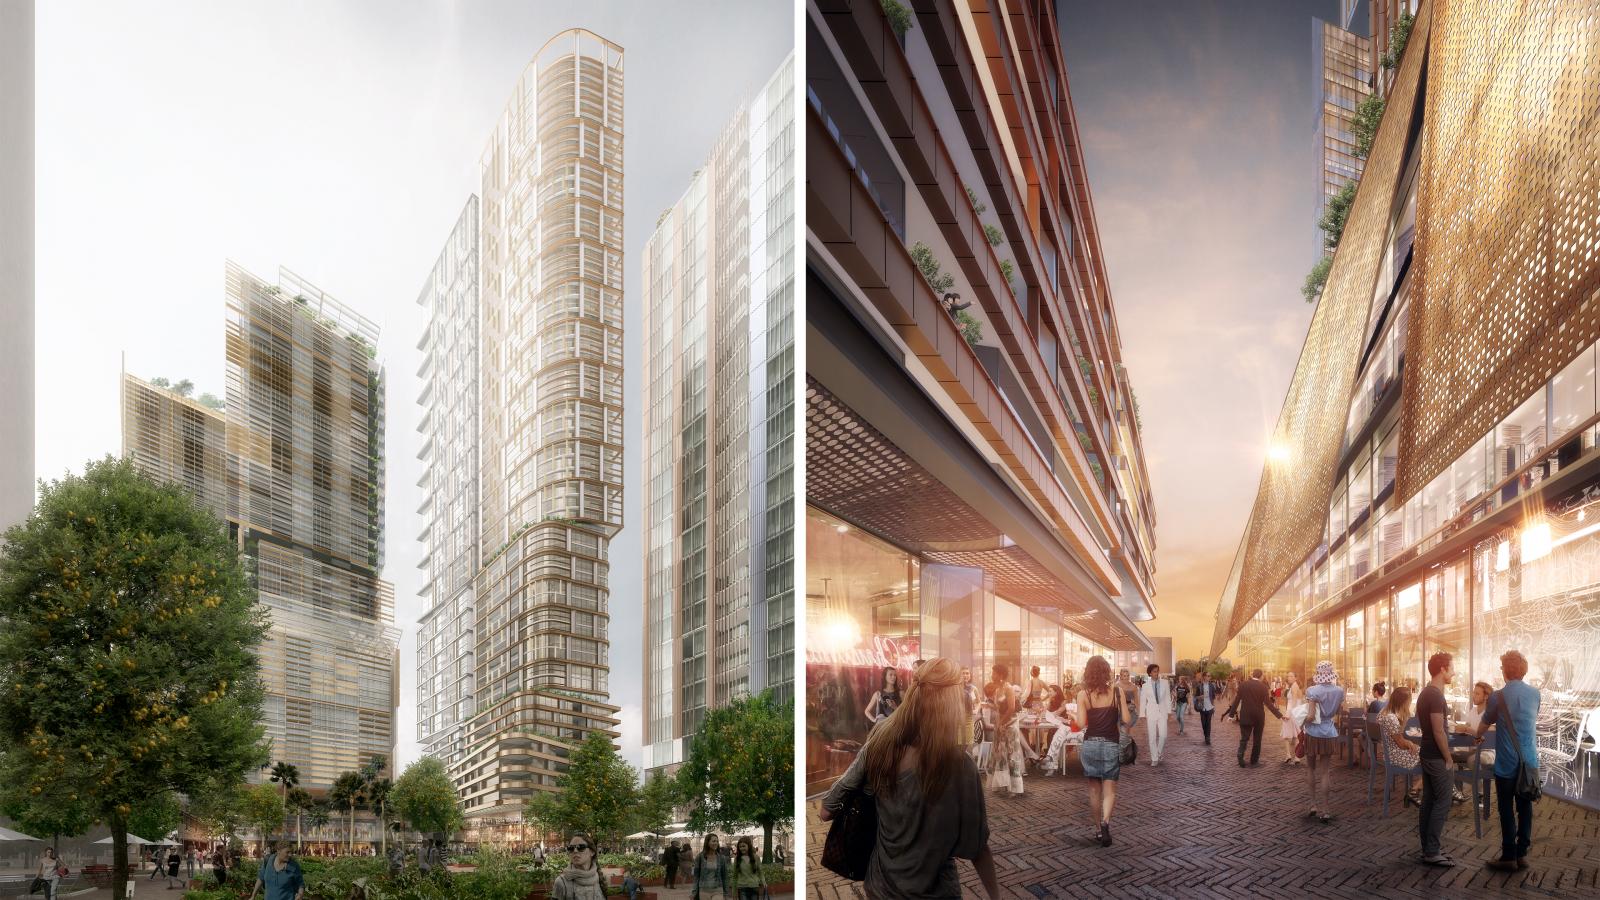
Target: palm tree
(318, 816)
(286, 776)
(376, 787)
(349, 790)
(378, 800)
(300, 801)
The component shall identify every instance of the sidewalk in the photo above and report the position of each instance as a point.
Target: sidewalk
(1201, 827)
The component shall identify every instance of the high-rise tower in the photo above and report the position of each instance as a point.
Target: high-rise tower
(295, 466)
(527, 369)
(719, 429)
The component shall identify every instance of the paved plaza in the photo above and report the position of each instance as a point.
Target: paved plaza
(1200, 826)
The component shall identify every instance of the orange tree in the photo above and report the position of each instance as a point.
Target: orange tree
(128, 636)
(740, 768)
(598, 794)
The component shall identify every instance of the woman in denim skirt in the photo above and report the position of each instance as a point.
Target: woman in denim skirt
(1103, 709)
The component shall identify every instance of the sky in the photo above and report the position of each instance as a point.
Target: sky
(341, 141)
(1197, 124)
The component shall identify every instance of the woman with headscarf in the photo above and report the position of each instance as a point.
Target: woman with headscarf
(581, 878)
(1324, 700)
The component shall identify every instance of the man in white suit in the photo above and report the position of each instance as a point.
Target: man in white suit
(1155, 702)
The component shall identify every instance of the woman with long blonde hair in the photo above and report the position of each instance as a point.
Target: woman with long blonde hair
(929, 802)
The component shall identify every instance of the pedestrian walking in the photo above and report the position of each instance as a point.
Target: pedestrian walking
(1007, 761)
(1249, 709)
(1438, 775)
(1105, 714)
(1287, 732)
(48, 878)
(1155, 698)
(219, 865)
(158, 868)
(1180, 696)
(173, 862)
(747, 877)
(1205, 703)
(887, 699)
(1130, 695)
(1513, 711)
(1324, 700)
(669, 860)
(930, 805)
(581, 879)
(279, 877)
(709, 876)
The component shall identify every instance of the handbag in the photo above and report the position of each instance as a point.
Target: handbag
(852, 837)
(1527, 786)
(39, 886)
(1300, 746)
(1127, 747)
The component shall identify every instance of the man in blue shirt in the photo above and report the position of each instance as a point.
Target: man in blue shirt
(1520, 703)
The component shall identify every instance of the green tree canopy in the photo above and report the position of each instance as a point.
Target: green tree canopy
(740, 768)
(598, 794)
(1317, 278)
(263, 809)
(1365, 125)
(656, 801)
(425, 797)
(1336, 214)
(156, 816)
(128, 630)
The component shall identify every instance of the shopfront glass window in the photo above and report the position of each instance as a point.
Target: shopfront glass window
(952, 613)
(1572, 394)
(1521, 436)
(1353, 670)
(863, 614)
(1546, 604)
(1406, 650)
(1449, 626)
(1378, 668)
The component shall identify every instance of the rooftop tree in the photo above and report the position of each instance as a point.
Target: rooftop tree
(128, 635)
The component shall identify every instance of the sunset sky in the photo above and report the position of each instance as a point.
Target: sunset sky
(1197, 123)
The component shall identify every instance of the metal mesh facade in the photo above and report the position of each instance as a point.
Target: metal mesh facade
(451, 546)
(295, 466)
(1508, 231)
(551, 405)
(1290, 512)
(719, 280)
(176, 439)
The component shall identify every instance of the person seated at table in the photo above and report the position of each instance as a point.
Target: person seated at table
(1402, 750)
(1058, 699)
(1481, 692)
(1375, 708)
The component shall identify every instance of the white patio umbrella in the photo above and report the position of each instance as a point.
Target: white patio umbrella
(641, 836)
(133, 841)
(7, 834)
(680, 835)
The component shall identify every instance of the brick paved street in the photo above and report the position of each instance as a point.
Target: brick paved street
(1200, 826)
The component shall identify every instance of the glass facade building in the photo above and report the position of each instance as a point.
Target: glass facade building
(718, 274)
(975, 479)
(449, 426)
(1342, 80)
(1437, 458)
(523, 442)
(294, 465)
